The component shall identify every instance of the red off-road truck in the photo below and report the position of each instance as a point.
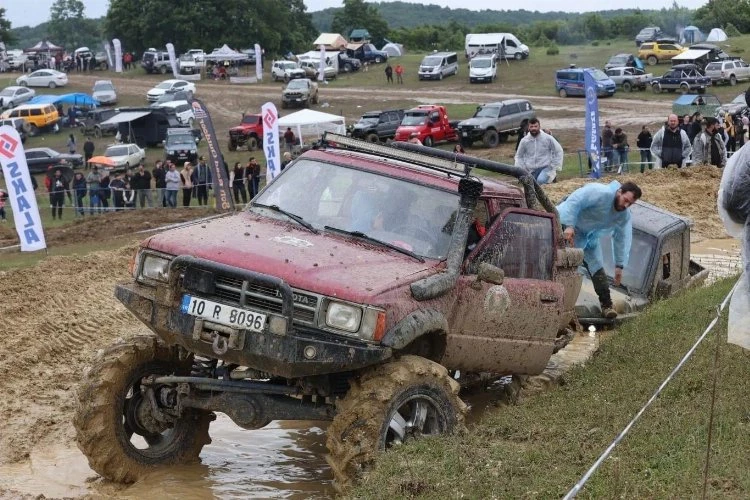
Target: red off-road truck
(354, 288)
(430, 123)
(248, 133)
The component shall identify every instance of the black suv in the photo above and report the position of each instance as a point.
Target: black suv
(376, 126)
(91, 124)
(180, 146)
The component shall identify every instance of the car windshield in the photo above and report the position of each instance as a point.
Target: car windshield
(487, 112)
(164, 85)
(116, 151)
(187, 57)
(598, 74)
(297, 84)
(289, 65)
(481, 63)
(431, 61)
(713, 67)
(740, 99)
(103, 87)
(176, 140)
(414, 118)
(414, 217)
(369, 119)
(7, 92)
(636, 271)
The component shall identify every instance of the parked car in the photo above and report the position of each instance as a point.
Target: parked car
(104, 92)
(286, 71)
(483, 68)
(376, 126)
(172, 85)
(91, 122)
(659, 51)
(19, 124)
(367, 53)
(125, 155)
(683, 77)
(43, 78)
(705, 104)
(622, 60)
(630, 78)
(182, 110)
(492, 123)
(730, 71)
(169, 96)
(38, 116)
(40, 159)
(10, 97)
(348, 64)
(569, 82)
(180, 146)
(156, 61)
(648, 34)
(312, 67)
(735, 106)
(300, 91)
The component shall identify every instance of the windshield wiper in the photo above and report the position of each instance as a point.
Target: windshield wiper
(292, 216)
(360, 234)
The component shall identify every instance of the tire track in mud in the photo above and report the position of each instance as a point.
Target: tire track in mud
(55, 316)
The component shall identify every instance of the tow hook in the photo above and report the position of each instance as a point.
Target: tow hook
(220, 344)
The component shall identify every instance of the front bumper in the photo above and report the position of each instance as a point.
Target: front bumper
(282, 355)
(471, 133)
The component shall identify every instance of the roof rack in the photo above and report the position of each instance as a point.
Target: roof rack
(444, 161)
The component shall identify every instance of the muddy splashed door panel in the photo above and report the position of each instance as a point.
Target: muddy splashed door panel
(508, 327)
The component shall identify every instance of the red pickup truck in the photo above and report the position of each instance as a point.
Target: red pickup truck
(249, 132)
(430, 123)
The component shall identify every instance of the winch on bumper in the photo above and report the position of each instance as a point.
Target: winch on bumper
(279, 347)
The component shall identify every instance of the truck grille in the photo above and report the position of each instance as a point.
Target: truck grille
(244, 294)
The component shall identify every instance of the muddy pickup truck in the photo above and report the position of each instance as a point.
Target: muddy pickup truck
(630, 78)
(300, 92)
(492, 123)
(248, 133)
(659, 266)
(354, 288)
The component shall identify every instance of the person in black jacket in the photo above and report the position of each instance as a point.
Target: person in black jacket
(141, 183)
(160, 183)
(644, 146)
(88, 151)
(80, 187)
(57, 189)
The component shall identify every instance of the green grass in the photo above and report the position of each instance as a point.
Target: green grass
(540, 447)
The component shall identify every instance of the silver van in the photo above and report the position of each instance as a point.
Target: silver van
(437, 65)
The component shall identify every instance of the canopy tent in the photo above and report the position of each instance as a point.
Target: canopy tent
(125, 117)
(74, 99)
(393, 49)
(312, 124)
(716, 35)
(690, 55)
(225, 54)
(691, 35)
(330, 41)
(44, 46)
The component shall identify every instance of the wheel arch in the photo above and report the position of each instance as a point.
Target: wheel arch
(416, 325)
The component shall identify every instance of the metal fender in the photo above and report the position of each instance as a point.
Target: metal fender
(413, 326)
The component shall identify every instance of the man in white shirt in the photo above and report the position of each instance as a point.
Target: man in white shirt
(539, 153)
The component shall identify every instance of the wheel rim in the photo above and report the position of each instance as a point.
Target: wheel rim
(418, 416)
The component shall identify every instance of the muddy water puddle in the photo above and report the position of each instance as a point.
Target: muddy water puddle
(720, 256)
(282, 460)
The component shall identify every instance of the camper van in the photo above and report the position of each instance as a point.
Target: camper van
(483, 69)
(504, 45)
(437, 65)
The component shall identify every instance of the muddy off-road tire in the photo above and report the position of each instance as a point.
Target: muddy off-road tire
(252, 143)
(393, 394)
(105, 419)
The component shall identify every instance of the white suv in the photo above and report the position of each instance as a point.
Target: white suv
(286, 70)
(730, 71)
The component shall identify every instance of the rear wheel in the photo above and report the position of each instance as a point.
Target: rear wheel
(732, 80)
(652, 60)
(232, 145)
(163, 70)
(115, 426)
(389, 405)
(491, 139)
(52, 85)
(347, 67)
(563, 93)
(684, 88)
(627, 86)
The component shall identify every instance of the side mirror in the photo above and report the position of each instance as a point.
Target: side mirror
(489, 273)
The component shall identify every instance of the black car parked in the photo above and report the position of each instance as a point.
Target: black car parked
(683, 77)
(375, 126)
(40, 159)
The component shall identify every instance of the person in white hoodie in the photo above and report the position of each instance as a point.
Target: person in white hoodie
(539, 153)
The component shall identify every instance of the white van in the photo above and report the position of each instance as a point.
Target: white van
(437, 65)
(483, 68)
(505, 45)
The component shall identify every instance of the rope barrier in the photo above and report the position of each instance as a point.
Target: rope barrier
(584, 479)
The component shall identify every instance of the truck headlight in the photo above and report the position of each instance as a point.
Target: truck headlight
(343, 316)
(155, 267)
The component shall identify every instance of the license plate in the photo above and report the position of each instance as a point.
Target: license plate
(464, 134)
(223, 314)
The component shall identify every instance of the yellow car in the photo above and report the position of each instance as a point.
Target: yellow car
(656, 52)
(38, 116)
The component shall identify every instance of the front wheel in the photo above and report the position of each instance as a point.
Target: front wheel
(232, 145)
(518, 56)
(491, 139)
(115, 427)
(252, 143)
(33, 130)
(627, 86)
(684, 88)
(563, 93)
(389, 405)
(652, 60)
(656, 88)
(428, 141)
(378, 60)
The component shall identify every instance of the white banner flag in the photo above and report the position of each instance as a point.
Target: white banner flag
(322, 64)
(108, 51)
(20, 191)
(271, 140)
(258, 63)
(118, 54)
(173, 60)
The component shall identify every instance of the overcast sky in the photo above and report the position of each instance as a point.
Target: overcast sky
(33, 12)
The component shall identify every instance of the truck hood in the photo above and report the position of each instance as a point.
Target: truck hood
(325, 263)
(588, 309)
(477, 122)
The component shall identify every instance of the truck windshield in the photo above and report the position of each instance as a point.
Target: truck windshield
(176, 140)
(481, 63)
(297, 84)
(431, 61)
(417, 118)
(598, 74)
(367, 119)
(641, 251)
(487, 112)
(415, 217)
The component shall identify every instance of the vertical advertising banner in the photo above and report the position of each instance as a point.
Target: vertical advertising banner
(592, 125)
(20, 191)
(271, 140)
(108, 51)
(173, 60)
(322, 64)
(118, 54)
(222, 189)
(258, 63)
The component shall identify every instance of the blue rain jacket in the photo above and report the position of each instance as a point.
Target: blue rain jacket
(591, 211)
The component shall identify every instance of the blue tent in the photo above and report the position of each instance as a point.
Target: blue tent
(75, 99)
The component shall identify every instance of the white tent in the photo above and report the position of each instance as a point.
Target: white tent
(716, 35)
(311, 124)
(393, 49)
(225, 54)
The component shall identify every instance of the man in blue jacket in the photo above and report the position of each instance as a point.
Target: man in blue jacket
(588, 214)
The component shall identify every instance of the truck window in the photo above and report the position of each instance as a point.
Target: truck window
(522, 245)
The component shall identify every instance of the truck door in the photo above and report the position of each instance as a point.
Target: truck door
(509, 325)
